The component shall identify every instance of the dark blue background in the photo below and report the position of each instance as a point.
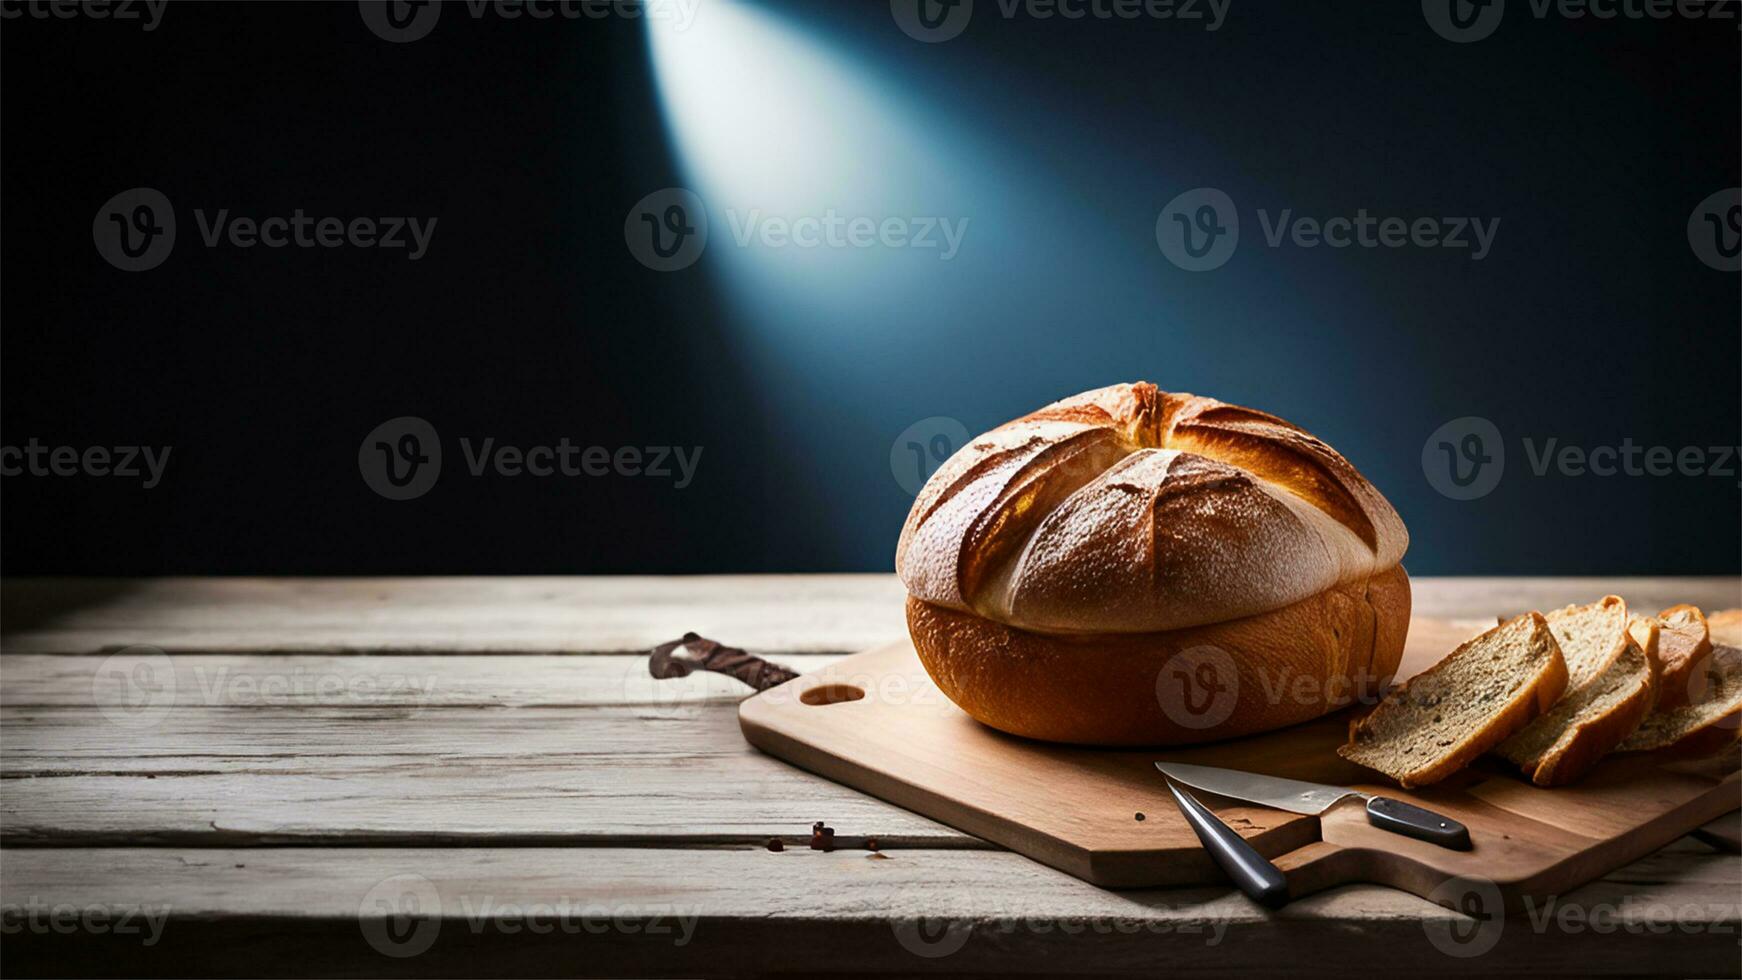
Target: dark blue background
(1591, 321)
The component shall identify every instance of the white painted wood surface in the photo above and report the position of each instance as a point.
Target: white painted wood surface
(493, 737)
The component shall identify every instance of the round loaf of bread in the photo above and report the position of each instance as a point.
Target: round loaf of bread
(1137, 567)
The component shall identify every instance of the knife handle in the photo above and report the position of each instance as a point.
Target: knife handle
(1257, 877)
(1412, 821)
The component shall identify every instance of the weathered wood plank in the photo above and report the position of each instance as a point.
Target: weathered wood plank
(677, 772)
(1467, 597)
(313, 911)
(765, 613)
(778, 613)
(355, 680)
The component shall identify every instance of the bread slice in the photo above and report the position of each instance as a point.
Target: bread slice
(1608, 694)
(1587, 723)
(1704, 728)
(1591, 637)
(1440, 720)
(1684, 648)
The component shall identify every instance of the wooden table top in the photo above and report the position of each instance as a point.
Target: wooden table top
(470, 776)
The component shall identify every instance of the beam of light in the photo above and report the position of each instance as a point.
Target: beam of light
(769, 119)
(771, 126)
(1058, 285)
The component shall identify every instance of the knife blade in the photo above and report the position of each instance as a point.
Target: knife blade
(1313, 799)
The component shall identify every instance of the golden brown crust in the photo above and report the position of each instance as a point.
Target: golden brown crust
(1718, 735)
(1173, 687)
(1684, 650)
(1703, 728)
(1131, 510)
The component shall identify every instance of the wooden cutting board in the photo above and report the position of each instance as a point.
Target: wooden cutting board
(874, 721)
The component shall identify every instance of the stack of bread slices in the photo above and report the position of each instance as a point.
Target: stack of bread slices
(1554, 694)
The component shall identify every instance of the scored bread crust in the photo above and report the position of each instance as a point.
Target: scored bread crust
(1132, 510)
(1280, 668)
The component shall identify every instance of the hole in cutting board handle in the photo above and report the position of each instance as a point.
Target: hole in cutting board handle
(831, 694)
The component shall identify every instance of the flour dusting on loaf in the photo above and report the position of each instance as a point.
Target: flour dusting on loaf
(1128, 509)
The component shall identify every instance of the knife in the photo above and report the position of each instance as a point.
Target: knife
(1258, 878)
(1313, 799)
